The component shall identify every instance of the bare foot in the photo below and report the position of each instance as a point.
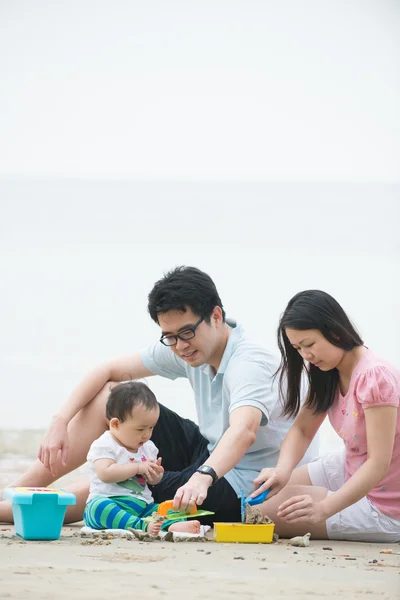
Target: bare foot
(154, 528)
(185, 526)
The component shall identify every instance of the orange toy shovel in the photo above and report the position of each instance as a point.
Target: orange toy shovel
(167, 506)
(166, 510)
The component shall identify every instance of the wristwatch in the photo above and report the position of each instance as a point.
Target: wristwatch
(206, 470)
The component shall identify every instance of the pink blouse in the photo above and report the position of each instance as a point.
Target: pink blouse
(374, 382)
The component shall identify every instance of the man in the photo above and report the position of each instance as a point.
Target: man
(240, 428)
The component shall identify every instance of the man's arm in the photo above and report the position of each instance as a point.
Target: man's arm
(119, 369)
(233, 445)
(237, 439)
(56, 438)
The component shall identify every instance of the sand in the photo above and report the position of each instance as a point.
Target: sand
(120, 568)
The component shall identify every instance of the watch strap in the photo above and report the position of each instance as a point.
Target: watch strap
(206, 470)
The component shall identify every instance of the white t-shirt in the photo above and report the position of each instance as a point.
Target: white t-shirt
(106, 447)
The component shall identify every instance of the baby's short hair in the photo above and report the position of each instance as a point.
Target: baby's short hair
(125, 396)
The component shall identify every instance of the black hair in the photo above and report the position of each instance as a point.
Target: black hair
(182, 288)
(312, 309)
(125, 396)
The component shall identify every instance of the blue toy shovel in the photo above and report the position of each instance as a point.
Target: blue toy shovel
(250, 501)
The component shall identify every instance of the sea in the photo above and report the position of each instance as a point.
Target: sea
(78, 258)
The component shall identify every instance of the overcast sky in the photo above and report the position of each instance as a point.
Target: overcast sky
(284, 90)
(251, 89)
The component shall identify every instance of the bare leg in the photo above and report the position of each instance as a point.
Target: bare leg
(81, 491)
(191, 526)
(84, 428)
(288, 530)
(300, 476)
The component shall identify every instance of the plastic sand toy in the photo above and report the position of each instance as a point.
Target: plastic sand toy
(250, 502)
(165, 509)
(244, 533)
(254, 532)
(38, 512)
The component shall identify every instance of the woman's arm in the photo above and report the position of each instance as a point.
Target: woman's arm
(381, 428)
(294, 446)
(299, 437)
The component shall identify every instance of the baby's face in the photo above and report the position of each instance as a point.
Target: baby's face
(136, 429)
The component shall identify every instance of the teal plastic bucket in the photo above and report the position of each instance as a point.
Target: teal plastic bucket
(38, 512)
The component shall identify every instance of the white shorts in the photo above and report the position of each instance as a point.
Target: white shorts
(360, 522)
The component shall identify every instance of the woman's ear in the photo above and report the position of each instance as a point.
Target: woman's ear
(335, 337)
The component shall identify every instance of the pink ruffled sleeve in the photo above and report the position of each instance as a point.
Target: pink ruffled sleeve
(378, 386)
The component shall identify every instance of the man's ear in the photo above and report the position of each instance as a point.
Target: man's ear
(216, 316)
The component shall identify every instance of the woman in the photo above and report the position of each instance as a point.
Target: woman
(352, 494)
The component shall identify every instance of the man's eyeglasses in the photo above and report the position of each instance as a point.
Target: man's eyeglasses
(186, 334)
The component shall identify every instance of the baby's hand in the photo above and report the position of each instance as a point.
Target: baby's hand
(154, 528)
(157, 472)
(148, 469)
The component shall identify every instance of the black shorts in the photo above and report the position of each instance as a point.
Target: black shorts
(183, 449)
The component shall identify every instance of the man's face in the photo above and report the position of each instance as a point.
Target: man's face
(200, 349)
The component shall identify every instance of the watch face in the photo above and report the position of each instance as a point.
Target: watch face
(208, 471)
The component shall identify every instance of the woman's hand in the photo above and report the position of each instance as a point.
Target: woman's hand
(53, 451)
(273, 479)
(302, 509)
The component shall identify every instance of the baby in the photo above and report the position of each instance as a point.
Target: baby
(123, 460)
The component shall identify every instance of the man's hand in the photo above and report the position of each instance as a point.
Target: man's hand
(193, 492)
(53, 451)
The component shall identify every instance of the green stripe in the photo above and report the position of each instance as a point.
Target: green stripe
(105, 513)
(117, 519)
(128, 508)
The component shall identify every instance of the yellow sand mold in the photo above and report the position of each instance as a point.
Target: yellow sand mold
(244, 533)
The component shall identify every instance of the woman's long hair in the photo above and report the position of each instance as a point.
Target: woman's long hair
(312, 309)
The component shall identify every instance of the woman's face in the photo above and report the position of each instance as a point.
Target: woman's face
(315, 348)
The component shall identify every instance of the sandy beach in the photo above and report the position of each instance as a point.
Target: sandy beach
(73, 567)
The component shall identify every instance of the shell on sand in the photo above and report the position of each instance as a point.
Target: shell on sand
(302, 541)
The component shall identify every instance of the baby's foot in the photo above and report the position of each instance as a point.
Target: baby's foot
(154, 528)
(185, 526)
